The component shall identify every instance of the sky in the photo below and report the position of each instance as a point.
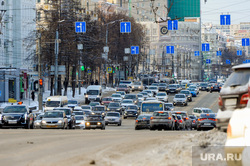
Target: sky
(238, 9)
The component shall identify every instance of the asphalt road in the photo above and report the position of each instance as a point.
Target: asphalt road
(117, 145)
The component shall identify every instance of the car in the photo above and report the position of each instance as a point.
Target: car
(38, 120)
(78, 112)
(123, 87)
(54, 119)
(140, 97)
(122, 93)
(80, 121)
(149, 92)
(183, 86)
(116, 97)
(150, 98)
(113, 118)
(154, 89)
(173, 88)
(187, 93)
(206, 121)
(169, 107)
(99, 110)
(198, 111)
(132, 96)
(126, 102)
(180, 123)
(154, 84)
(184, 114)
(180, 99)
(195, 87)
(94, 103)
(93, 94)
(137, 86)
(192, 91)
(145, 94)
(215, 87)
(194, 121)
(204, 86)
(94, 122)
(72, 103)
(114, 107)
(162, 96)
(17, 116)
(106, 101)
(162, 87)
(131, 111)
(233, 95)
(69, 114)
(143, 121)
(87, 112)
(162, 120)
(126, 82)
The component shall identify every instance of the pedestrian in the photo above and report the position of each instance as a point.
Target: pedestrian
(96, 82)
(92, 82)
(33, 95)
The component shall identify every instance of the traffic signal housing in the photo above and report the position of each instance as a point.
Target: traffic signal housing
(40, 82)
(82, 68)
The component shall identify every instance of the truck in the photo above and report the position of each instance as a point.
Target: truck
(54, 102)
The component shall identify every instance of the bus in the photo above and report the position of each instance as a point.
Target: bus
(148, 107)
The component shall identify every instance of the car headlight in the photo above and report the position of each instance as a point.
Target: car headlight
(82, 122)
(99, 123)
(86, 96)
(37, 123)
(87, 123)
(43, 121)
(103, 113)
(108, 109)
(133, 87)
(60, 121)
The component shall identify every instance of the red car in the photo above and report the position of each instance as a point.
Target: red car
(106, 101)
(124, 88)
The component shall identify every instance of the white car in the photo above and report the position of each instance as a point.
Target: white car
(116, 97)
(154, 89)
(126, 102)
(140, 97)
(180, 99)
(238, 136)
(122, 93)
(145, 94)
(80, 121)
(162, 96)
(150, 93)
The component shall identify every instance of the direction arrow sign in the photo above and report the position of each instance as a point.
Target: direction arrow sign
(245, 42)
(218, 53)
(134, 50)
(172, 24)
(80, 27)
(225, 19)
(208, 61)
(228, 62)
(205, 47)
(197, 53)
(239, 52)
(125, 27)
(170, 49)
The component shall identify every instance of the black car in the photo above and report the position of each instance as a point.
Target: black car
(142, 122)
(187, 120)
(204, 86)
(206, 121)
(17, 116)
(194, 121)
(114, 107)
(95, 122)
(99, 110)
(131, 111)
(215, 88)
(162, 87)
(70, 115)
(173, 88)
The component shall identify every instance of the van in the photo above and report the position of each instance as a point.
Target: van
(93, 93)
(198, 111)
(55, 101)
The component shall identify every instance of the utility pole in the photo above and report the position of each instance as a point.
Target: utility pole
(56, 61)
(40, 88)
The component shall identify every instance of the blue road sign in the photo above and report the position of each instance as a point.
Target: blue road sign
(125, 27)
(172, 24)
(239, 52)
(208, 61)
(197, 53)
(80, 27)
(134, 49)
(228, 62)
(170, 49)
(225, 19)
(89, 70)
(205, 47)
(245, 42)
(248, 61)
(218, 53)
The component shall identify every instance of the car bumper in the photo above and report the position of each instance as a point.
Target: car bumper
(112, 122)
(52, 126)
(93, 126)
(80, 126)
(142, 125)
(179, 103)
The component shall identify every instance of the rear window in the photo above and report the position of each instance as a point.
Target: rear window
(207, 111)
(160, 114)
(141, 117)
(238, 78)
(207, 116)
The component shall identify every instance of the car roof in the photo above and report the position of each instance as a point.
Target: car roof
(242, 66)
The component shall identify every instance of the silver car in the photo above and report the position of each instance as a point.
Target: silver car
(113, 118)
(54, 119)
(116, 97)
(80, 121)
(180, 99)
(162, 96)
(38, 120)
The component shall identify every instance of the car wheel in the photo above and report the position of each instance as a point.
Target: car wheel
(198, 129)
(210, 91)
(124, 117)
(152, 128)
(106, 124)
(136, 128)
(103, 128)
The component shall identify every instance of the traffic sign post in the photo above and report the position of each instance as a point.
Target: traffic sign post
(239, 52)
(208, 61)
(197, 53)
(89, 71)
(245, 42)
(218, 53)
(125, 27)
(170, 49)
(228, 62)
(172, 24)
(134, 50)
(205, 47)
(225, 19)
(80, 27)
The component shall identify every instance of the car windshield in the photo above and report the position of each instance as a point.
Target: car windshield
(238, 78)
(122, 93)
(143, 117)
(107, 99)
(137, 83)
(179, 96)
(203, 84)
(52, 114)
(78, 113)
(130, 97)
(92, 92)
(113, 114)
(94, 103)
(181, 113)
(154, 84)
(52, 103)
(160, 114)
(185, 92)
(122, 86)
(94, 118)
(39, 117)
(87, 112)
(172, 86)
(148, 92)
(125, 82)
(15, 109)
(79, 117)
(131, 108)
(161, 94)
(114, 105)
(168, 105)
(144, 93)
(191, 89)
(72, 102)
(85, 107)
(192, 117)
(162, 84)
(67, 111)
(208, 111)
(116, 95)
(98, 109)
(152, 88)
(127, 101)
(179, 117)
(140, 96)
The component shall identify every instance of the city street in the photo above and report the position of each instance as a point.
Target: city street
(117, 145)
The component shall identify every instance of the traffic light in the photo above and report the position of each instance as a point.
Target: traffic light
(82, 68)
(40, 82)
(117, 67)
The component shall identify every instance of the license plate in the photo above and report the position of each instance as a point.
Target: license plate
(51, 126)
(93, 125)
(230, 102)
(207, 123)
(12, 122)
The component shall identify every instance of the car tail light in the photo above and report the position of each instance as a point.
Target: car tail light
(136, 121)
(169, 118)
(220, 103)
(175, 120)
(213, 119)
(151, 118)
(202, 119)
(186, 118)
(212, 87)
(244, 98)
(229, 131)
(207, 114)
(144, 118)
(193, 121)
(180, 121)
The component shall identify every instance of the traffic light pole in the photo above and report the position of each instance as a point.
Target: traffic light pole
(40, 87)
